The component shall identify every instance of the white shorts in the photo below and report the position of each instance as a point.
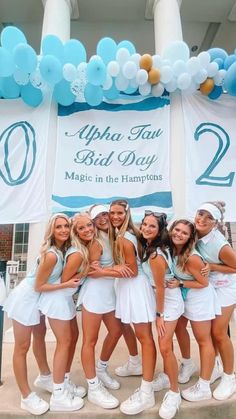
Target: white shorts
(173, 304)
(202, 304)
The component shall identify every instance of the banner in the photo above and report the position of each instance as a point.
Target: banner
(118, 150)
(210, 132)
(23, 148)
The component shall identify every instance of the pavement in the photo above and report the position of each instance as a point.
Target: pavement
(10, 396)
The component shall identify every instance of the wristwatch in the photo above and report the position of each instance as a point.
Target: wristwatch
(158, 314)
(181, 283)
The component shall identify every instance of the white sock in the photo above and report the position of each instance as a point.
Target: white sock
(58, 389)
(229, 376)
(102, 364)
(93, 382)
(28, 397)
(187, 361)
(175, 393)
(146, 386)
(204, 384)
(135, 360)
(45, 377)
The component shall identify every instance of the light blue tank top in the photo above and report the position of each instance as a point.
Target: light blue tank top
(210, 245)
(56, 272)
(169, 274)
(179, 274)
(106, 258)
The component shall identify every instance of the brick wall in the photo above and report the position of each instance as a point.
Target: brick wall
(6, 233)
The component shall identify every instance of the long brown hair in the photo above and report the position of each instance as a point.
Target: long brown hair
(160, 241)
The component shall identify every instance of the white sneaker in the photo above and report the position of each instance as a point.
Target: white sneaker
(101, 397)
(186, 371)
(217, 371)
(195, 393)
(129, 369)
(44, 383)
(75, 390)
(137, 402)
(226, 388)
(160, 382)
(34, 404)
(66, 402)
(106, 379)
(170, 405)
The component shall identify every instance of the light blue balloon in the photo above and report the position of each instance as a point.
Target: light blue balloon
(62, 93)
(106, 49)
(111, 93)
(74, 52)
(215, 93)
(217, 53)
(12, 36)
(31, 96)
(176, 50)
(128, 45)
(229, 61)
(230, 80)
(6, 63)
(130, 90)
(220, 63)
(10, 89)
(52, 45)
(96, 72)
(51, 69)
(25, 58)
(93, 94)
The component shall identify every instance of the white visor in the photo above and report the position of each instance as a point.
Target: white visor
(212, 209)
(98, 209)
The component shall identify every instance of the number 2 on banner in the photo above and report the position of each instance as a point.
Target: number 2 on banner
(224, 143)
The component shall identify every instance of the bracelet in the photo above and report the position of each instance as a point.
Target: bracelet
(181, 283)
(158, 314)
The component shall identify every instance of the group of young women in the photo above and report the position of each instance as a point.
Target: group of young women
(128, 276)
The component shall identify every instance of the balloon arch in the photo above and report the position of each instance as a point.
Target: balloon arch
(116, 68)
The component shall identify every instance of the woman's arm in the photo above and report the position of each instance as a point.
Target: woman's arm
(44, 271)
(228, 256)
(72, 266)
(158, 267)
(194, 266)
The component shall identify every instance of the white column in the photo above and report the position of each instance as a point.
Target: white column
(56, 21)
(167, 28)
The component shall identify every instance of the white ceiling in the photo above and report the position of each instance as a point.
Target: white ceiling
(206, 23)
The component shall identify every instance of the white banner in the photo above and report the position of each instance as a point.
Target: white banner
(23, 148)
(115, 151)
(210, 128)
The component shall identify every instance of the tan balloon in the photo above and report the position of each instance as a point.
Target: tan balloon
(154, 76)
(207, 86)
(146, 62)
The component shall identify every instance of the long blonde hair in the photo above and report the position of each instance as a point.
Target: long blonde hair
(188, 247)
(76, 242)
(114, 234)
(49, 239)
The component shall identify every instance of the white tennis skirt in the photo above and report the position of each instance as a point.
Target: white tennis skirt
(58, 304)
(202, 304)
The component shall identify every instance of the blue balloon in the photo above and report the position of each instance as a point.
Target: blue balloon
(216, 92)
(12, 36)
(74, 52)
(51, 69)
(130, 90)
(96, 72)
(230, 80)
(220, 63)
(52, 45)
(217, 53)
(111, 93)
(6, 63)
(25, 58)
(229, 61)
(10, 89)
(128, 45)
(62, 93)
(31, 96)
(106, 49)
(93, 94)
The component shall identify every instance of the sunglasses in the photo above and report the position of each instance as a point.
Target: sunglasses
(156, 214)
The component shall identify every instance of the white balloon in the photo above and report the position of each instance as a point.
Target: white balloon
(184, 81)
(129, 70)
(179, 67)
(219, 77)
(95, 57)
(136, 59)
(212, 69)
(171, 86)
(121, 83)
(204, 58)
(133, 83)
(81, 68)
(176, 50)
(165, 62)
(157, 89)
(122, 56)
(156, 61)
(113, 68)
(201, 76)
(141, 77)
(166, 74)
(145, 89)
(108, 83)
(193, 65)
(69, 72)
(191, 89)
